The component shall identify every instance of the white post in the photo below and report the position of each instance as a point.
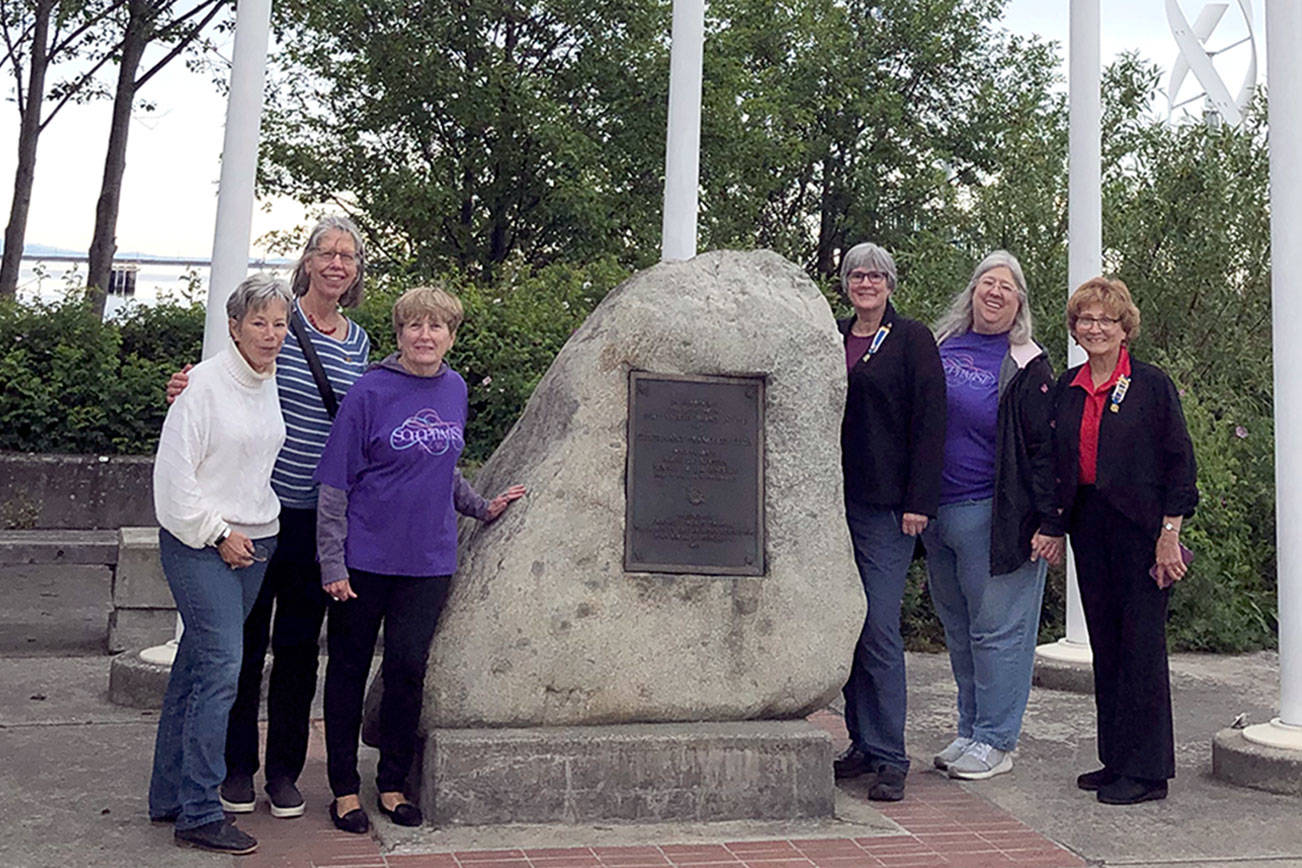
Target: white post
(1084, 239)
(230, 247)
(683, 136)
(1284, 77)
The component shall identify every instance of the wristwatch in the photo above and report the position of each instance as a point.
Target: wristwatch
(221, 538)
(1166, 525)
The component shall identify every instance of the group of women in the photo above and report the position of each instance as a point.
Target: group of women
(962, 438)
(295, 483)
(292, 477)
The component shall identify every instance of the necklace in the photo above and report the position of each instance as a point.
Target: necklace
(317, 325)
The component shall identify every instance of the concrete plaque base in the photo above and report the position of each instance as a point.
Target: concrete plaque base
(634, 773)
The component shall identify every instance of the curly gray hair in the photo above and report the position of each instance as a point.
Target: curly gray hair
(256, 292)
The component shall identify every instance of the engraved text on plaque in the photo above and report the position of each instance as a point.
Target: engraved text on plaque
(695, 475)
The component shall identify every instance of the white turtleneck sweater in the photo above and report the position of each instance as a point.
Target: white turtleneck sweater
(212, 473)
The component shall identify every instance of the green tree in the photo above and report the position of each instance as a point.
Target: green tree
(463, 134)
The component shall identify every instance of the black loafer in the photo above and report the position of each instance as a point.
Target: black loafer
(1091, 781)
(1131, 791)
(851, 764)
(889, 786)
(404, 814)
(355, 821)
(218, 836)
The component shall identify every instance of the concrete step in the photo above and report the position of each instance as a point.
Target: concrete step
(98, 547)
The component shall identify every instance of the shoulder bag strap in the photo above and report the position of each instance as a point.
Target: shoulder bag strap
(314, 364)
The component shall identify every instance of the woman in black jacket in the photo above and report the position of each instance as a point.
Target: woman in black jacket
(892, 436)
(1126, 481)
(986, 554)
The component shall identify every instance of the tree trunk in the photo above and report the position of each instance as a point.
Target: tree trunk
(103, 245)
(29, 132)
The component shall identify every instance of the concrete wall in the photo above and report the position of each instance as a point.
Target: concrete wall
(75, 491)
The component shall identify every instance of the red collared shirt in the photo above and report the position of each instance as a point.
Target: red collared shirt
(1092, 414)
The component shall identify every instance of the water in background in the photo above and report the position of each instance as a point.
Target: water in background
(50, 281)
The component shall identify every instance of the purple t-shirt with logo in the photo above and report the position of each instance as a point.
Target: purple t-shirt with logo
(393, 449)
(971, 363)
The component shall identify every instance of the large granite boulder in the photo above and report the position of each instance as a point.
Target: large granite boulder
(544, 627)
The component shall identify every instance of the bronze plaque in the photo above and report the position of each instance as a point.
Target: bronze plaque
(694, 485)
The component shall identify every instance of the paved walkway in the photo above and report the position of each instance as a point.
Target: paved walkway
(75, 770)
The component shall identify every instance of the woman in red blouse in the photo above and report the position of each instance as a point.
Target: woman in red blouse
(1126, 482)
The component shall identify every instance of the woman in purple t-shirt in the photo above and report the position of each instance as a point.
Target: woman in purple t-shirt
(387, 543)
(985, 551)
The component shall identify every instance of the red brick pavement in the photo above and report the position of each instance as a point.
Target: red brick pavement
(944, 827)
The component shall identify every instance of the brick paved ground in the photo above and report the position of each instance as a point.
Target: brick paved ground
(944, 826)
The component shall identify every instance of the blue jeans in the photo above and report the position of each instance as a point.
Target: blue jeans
(876, 695)
(991, 622)
(189, 752)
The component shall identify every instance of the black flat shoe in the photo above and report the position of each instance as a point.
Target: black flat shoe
(355, 821)
(1091, 781)
(404, 814)
(851, 764)
(218, 836)
(1131, 791)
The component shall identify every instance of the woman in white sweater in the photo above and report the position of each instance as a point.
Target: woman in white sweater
(213, 499)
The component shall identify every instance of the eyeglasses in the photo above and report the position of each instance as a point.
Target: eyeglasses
(1103, 322)
(325, 257)
(867, 277)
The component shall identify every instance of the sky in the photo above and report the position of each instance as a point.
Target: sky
(169, 196)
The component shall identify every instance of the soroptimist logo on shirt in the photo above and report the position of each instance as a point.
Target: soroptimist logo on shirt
(428, 431)
(962, 370)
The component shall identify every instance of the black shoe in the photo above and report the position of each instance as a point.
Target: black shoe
(169, 817)
(850, 764)
(889, 786)
(1091, 781)
(218, 836)
(404, 814)
(286, 800)
(355, 821)
(1131, 791)
(237, 794)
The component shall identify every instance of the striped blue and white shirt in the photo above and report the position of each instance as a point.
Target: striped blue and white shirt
(306, 422)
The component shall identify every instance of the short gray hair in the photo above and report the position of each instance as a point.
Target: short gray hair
(867, 255)
(299, 280)
(958, 319)
(255, 293)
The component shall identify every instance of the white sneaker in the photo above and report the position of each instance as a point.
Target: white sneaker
(981, 761)
(952, 752)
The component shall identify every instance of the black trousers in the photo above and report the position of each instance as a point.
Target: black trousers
(409, 607)
(1126, 615)
(292, 588)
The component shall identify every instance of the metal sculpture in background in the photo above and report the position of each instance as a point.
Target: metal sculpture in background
(1195, 57)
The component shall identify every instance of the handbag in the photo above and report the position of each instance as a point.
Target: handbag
(299, 328)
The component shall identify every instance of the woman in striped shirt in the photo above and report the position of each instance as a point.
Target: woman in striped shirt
(326, 279)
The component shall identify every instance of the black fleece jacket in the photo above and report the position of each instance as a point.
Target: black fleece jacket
(1024, 469)
(893, 431)
(1146, 466)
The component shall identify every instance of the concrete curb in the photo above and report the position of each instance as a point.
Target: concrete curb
(1238, 761)
(136, 683)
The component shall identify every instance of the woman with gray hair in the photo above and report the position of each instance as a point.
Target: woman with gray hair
(986, 555)
(892, 436)
(324, 354)
(219, 518)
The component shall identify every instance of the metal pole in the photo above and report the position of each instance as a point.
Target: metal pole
(230, 248)
(683, 135)
(1084, 239)
(1284, 76)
